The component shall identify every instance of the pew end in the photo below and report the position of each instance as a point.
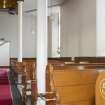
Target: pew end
(68, 82)
(100, 89)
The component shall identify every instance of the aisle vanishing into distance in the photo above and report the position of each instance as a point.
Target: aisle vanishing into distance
(5, 88)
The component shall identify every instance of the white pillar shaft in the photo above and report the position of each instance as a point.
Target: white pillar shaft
(42, 32)
(59, 37)
(100, 27)
(55, 25)
(20, 29)
(55, 33)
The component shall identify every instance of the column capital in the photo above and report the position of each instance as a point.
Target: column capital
(20, 1)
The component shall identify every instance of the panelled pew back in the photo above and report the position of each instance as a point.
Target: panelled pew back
(71, 59)
(31, 83)
(34, 59)
(75, 87)
(90, 59)
(18, 69)
(27, 70)
(87, 65)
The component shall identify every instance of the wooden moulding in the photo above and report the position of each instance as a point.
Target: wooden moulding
(8, 4)
(5, 67)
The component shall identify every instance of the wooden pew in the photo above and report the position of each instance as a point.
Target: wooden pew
(90, 59)
(57, 65)
(26, 67)
(31, 83)
(75, 87)
(34, 59)
(28, 80)
(100, 89)
(69, 59)
(19, 73)
(61, 59)
(19, 70)
(86, 65)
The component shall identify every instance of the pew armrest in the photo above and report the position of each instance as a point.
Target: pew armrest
(50, 97)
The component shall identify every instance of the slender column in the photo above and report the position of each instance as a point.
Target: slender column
(59, 37)
(42, 32)
(55, 34)
(56, 31)
(100, 27)
(20, 29)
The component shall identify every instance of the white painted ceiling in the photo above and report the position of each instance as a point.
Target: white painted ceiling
(32, 4)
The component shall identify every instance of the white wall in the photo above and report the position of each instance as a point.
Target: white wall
(5, 54)
(8, 30)
(78, 28)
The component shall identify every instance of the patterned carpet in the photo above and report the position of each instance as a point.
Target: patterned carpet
(5, 88)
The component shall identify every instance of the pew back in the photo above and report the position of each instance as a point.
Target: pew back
(75, 87)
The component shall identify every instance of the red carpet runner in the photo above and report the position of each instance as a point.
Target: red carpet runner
(5, 89)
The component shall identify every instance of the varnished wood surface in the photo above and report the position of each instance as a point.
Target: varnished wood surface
(8, 4)
(69, 79)
(75, 86)
(59, 61)
(27, 71)
(4, 66)
(100, 89)
(90, 59)
(69, 59)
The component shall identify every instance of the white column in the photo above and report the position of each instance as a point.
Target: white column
(55, 16)
(42, 32)
(59, 36)
(20, 29)
(100, 27)
(55, 34)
